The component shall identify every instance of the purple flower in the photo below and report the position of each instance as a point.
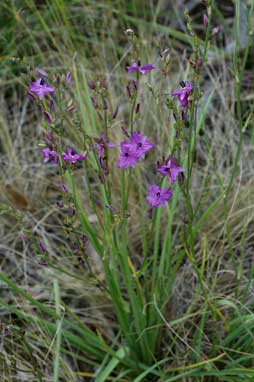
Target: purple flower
(49, 155)
(71, 156)
(133, 150)
(171, 169)
(142, 69)
(101, 144)
(146, 68)
(158, 196)
(140, 144)
(127, 157)
(133, 68)
(183, 94)
(40, 88)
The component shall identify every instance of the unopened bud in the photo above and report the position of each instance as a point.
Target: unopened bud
(42, 246)
(165, 55)
(125, 132)
(205, 20)
(199, 62)
(84, 239)
(105, 105)
(71, 108)
(128, 91)
(135, 84)
(31, 96)
(95, 105)
(116, 112)
(48, 117)
(104, 84)
(52, 105)
(68, 78)
(91, 84)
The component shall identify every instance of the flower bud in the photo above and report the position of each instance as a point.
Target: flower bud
(42, 246)
(95, 105)
(52, 106)
(135, 84)
(64, 188)
(104, 84)
(91, 84)
(48, 117)
(68, 78)
(60, 204)
(199, 62)
(48, 138)
(84, 239)
(128, 91)
(115, 113)
(30, 96)
(205, 20)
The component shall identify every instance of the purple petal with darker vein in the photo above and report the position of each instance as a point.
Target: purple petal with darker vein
(146, 68)
(133, 68)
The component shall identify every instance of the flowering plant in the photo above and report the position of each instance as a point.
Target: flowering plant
(111, 147)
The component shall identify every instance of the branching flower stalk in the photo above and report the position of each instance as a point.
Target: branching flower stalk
(132, 298)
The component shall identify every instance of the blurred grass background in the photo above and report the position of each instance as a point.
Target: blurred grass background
(60, 35)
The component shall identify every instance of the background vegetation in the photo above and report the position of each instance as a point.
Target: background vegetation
(57, 320)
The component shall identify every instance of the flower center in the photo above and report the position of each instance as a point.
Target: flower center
(126, 155)
(158, 194)
(139, 144)
(42, 81)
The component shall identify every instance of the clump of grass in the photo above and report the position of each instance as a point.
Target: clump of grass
(167, 298)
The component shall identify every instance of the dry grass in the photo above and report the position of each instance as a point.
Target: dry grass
(224, 246)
